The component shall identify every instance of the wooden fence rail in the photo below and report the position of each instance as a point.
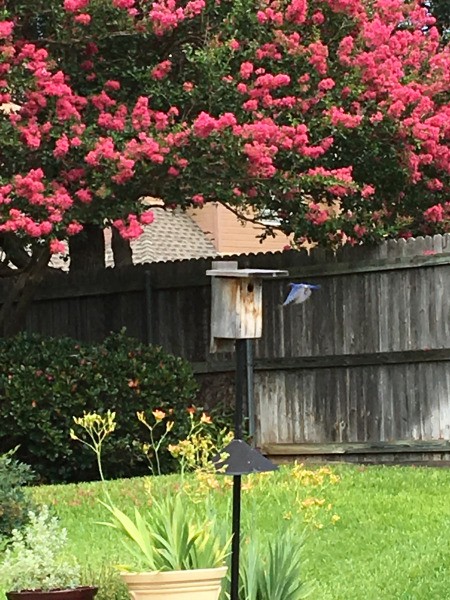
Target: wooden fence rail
(364, 364)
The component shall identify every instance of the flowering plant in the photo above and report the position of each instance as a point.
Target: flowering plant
(322, 114)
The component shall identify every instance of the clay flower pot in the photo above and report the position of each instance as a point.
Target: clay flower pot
(198, 584)
(79, 593)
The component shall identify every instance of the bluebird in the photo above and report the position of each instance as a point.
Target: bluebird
(299, 293)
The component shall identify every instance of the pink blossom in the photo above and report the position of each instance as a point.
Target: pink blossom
(368, 190)
(46, 227)
(339, 117)
(296, 11)
(326, 84)
(198, 199)
(188, 86)
(129, 231)
(61, 147)
(204, 125)
(434, 214)
(123, 3)
(318, 18)
(316, 214)
(83, 19)
(147, 217)
(246, 70)
(141, 115)
(57, 247)
(162, 69)
(194, 8)
(435, 184)
(74, 228)
(234, 44)
(112, 84)
(360, 230)
(84, 196)
(75, 5)
(6, 28)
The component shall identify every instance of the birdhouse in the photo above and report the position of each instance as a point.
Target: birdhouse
(236, 307)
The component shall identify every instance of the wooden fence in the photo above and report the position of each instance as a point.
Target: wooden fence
(361, 369)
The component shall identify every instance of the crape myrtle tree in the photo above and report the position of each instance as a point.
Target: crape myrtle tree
(332, 116)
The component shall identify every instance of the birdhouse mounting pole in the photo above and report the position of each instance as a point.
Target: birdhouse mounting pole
(236, 315)
(241, 371)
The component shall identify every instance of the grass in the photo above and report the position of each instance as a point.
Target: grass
(391, 542)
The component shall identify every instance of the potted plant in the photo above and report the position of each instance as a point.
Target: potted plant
(34, 566)
(178, 554)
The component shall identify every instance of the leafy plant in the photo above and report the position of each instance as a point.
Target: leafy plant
(14, 504)
(34, 560)
(273, 571)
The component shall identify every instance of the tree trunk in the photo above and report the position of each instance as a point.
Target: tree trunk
(87, 249)
(18, 300)
(121, 249)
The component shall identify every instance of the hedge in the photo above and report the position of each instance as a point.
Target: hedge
(44, 382)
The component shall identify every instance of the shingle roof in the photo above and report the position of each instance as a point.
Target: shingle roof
(173, 235)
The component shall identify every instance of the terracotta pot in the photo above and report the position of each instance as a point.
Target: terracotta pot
(198, 584)
(79, 593)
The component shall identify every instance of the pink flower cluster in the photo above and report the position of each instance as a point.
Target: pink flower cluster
(131, 228)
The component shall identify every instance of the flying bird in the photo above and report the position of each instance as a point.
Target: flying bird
(300, 292)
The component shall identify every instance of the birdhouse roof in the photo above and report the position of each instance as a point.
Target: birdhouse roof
(255, 273)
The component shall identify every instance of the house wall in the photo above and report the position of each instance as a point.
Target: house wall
(230, 236)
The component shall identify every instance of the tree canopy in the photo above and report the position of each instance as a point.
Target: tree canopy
(333, 115)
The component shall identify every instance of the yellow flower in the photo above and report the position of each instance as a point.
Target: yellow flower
(205, 419)
(335, 519)
(158, 414)
(169, 425)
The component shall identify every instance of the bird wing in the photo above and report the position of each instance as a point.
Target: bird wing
(292, 296)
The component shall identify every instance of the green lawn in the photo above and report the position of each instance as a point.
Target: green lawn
(391, 542)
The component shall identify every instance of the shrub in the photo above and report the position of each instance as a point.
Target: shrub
(14, 504)
(44, 381)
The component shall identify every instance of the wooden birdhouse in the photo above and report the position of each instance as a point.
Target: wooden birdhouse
(236, 306)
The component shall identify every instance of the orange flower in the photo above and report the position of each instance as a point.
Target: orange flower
(191, 410)
(133, 383)
(158, 414)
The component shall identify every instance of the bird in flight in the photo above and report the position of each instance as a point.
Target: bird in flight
(300, 292)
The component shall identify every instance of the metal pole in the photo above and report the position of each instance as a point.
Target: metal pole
(241, 360)
(241, 371)
(235, 542)
(250, 391)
